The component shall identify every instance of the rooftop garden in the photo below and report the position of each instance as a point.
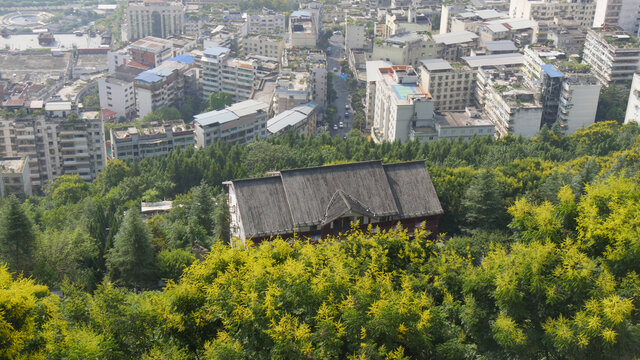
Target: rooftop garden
(629, 41)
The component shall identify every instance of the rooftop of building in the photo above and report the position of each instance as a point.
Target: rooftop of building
(291, 117)
(451, 38)
(403, 38)
(403, 81)
(151, 130)
(152, 44)
(230, 113)
(501, 45)
(494, 60)
(373, 66)
(58, 106)
(466, 118)
(616, 37)
(436, 64)
(216, 51)
(482, 14)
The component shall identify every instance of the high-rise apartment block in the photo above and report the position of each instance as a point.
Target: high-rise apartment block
(405, 48)
(269, 23)
(614, 56)
(451, 85)
(154, 18)
(622, 13)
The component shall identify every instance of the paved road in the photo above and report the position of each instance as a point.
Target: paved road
(336, 42)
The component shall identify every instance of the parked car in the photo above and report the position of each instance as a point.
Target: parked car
(335, 127)
(335, 69)
(341, 124)
(346, 114)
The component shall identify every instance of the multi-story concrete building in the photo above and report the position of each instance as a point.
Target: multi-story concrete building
(118, 96)
(150, 141)
(614, 56)
(81, 145)
(451, 85)
(633, 105)
(263, 45)
(301, 119)
(165, 85)
(156, 18)
(151, 51)
(406, 48)
(318, 82)
(522, 32)
(569, 92)
(269, 22)
(15, 176)
(303, 29)
(508, 103)
(459, 20)
(402, 108)
(622, 13)
(222, 73)
(509, 61)
(239, 123)
(454, 45)
(315, 9)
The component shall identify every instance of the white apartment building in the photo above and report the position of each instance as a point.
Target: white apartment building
(510, 105)
(578, 102)
(81, 145)
(239, 123)
(451, 85)
(373, 76)
(582, 11)
(118, 96)
(406, 48)
(270, 23)
(355, 37)
(301, 119)
(318, 82)
(622, 13)
(402, 109)
(633, 105)
(154, 18)
(614, 56)
(263, 45)
(150, 141)
(463, 124)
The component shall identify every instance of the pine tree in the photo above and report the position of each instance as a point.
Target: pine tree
(131, 260)
(221, 218)
(483, 202)
(17, 240)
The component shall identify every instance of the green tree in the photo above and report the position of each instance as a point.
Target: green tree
(219, 100)
(68, 189)
(612, 104)
(131, 260)
(17, 239)
(171, 263)
(483, 202)
(221, 218)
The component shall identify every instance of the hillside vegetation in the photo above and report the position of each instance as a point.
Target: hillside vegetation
(539, 259)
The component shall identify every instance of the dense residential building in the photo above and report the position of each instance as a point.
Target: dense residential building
(165, 85)
(153, 18)
(263, 45)
(118, 96)
(508, 103)
(239, 123)
(582, 11)
(522, 32)
(269, 22)
(633, 105)
(403, 20)
(454, 45)
(613, 55)
(569, 92)
(622, 13)
(509, 60)
(55, 146)
(321, 201)
(463, 19)
(151, 51)
(302, 119)
(150, 141)
(463, 124)
(303, 29)
(222, 73)
(15, 176)
(405, 48)
(451, 85)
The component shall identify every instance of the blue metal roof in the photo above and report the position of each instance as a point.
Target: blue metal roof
(551, 70)
(185, 59)
(148, 77)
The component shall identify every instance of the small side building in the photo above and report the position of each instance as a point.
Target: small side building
(16, 176)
